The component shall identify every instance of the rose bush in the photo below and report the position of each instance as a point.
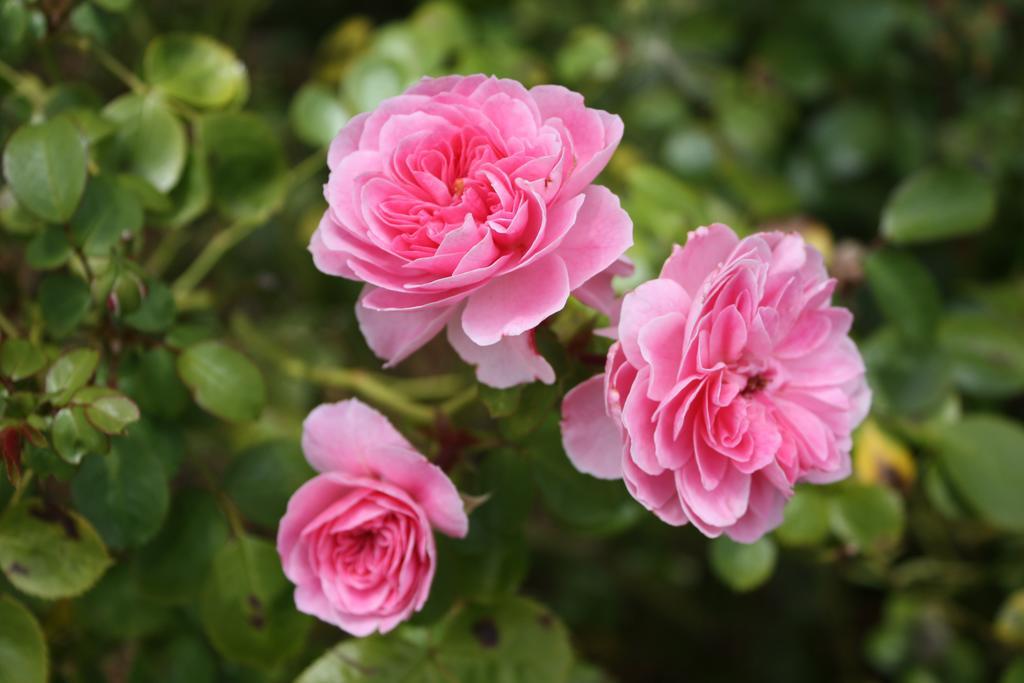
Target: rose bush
(164, 333)
(467, 202)
(733, 379)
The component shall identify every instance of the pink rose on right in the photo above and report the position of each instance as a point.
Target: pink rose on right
(732, 380)
(357, 540)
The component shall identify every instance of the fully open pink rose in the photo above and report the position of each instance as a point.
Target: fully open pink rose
(467, 202)
(357, 539)
(732, 380)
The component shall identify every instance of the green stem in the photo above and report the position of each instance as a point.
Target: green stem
(226, 239)
(110, 63)
(460, 400)
(428, 388)
(211, 254)
(165, 252)
(26, 479)
(26, 85)
(360, 382)
(7, 326)
(369, 387)
(306, 168)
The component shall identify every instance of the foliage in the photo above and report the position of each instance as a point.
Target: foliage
(164, 332)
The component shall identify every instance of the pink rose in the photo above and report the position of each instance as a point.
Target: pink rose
(356, 540)
(732, 380)
(467, 202)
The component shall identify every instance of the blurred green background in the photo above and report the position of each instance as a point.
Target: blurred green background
(890, 133)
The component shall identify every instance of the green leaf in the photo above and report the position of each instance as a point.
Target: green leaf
(1014, 673)
(14, 28)
(246, 164)
(806, 519)
(914, 384)
(246, 606)
(538, 403)
(108, 211)
(316, 115)
(400, 657)
(869, 518)
(589, 53)
(74, 436)
(743, 567)
(501, 402)
(45, 167)
(45, 462)
(493, 559)
(70, 372)
(584, 502)
(124, 493)
(906, 293)
(49, 248)
(151, 379)
(849, 137)
(195, 69)
(23, 653)
(165, 441)
(514, 640)
(64, 300)
(106, 409)
(79, 112)
(983, 457)
(114, 5)
(186, 334)
(49, 552)
(152, 199)
(261, 480)
(583, 672)
(937, 204)
(370, 80)
(172, 567)
(150, 139)
(185, 659)
(223, 381)
(986, 353)
(116, 607)
(14, 217)
(191, 197)
(20, 358)
(1009, 625)
(156, 312)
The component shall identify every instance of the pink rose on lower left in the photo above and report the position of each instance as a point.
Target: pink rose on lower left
(357, 540)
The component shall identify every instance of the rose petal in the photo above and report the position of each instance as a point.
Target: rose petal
(589, 435)
(512, 361)
(395, 335)
(516, 302)
(600, 235)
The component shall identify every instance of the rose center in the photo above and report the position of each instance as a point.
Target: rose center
(755, 383)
